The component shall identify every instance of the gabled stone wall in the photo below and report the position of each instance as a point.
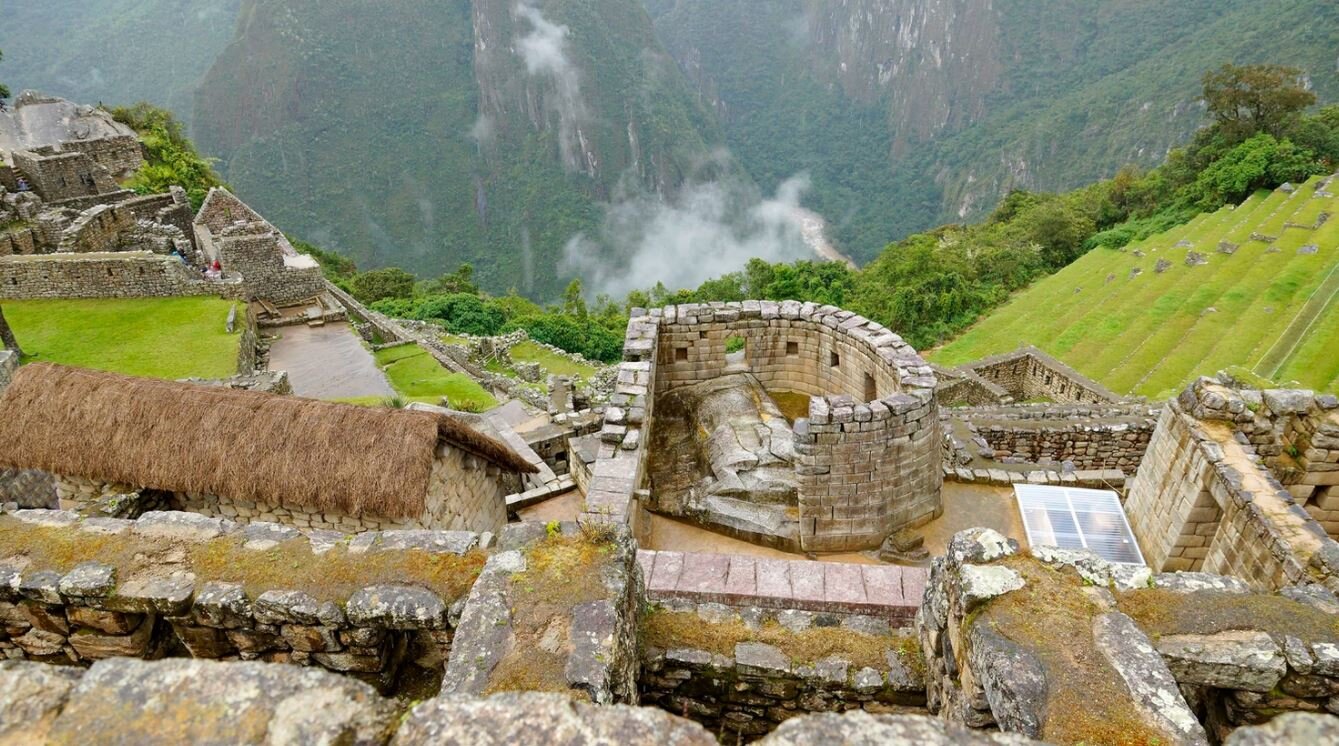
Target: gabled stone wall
(1028, 373)
(1203, 498)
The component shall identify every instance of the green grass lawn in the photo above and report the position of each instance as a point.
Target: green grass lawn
(418, 377)
(153, 337)
(1151, 333)
(555, 364)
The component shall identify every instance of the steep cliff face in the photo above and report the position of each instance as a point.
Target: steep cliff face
(932, 62)
(426, 133)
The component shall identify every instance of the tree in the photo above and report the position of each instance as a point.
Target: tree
(378, 284)
(1245, 100)
(7, 340)
(573, 304)
(4, 92)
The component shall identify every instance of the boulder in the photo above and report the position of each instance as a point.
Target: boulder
(31, 695)
(1288, 729)
(885, 730)
(534, 719)
(179, 700)
(1246, 660)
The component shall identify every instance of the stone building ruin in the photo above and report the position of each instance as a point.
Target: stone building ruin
(120, 445)
(861, 463)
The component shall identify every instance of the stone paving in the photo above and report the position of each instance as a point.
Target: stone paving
(885, 591)
(328, 362)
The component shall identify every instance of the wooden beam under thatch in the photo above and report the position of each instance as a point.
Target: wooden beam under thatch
(240, 445)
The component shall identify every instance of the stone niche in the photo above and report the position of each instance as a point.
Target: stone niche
(863, 456)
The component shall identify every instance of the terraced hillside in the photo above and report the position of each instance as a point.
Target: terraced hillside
(1254, 286)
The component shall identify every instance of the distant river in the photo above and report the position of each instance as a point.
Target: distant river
(814, 230)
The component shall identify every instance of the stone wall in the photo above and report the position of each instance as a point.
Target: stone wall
(745, 692)
(1029, 374)
(465, 493)
(1086, 445)
(63, 175)
(18, 241)
(181, 602)
(120, 155)
(1203, 500)
(98, 229)
(868, 456)
(962, 387)
(260, 261)
(105, 275)
(988, 666)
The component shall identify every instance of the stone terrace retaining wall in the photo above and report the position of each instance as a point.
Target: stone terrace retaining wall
(129, 274)
(889, 592)
(1203, 501)
(91, 612)
(868, 456)
(748, 693)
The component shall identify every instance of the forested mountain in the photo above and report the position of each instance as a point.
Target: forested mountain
(424, 133)
(913, 113)
(115, 51)
(427, 133)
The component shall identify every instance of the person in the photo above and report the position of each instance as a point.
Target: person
(23, 185)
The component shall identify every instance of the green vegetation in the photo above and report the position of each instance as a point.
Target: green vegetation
(417, 376)
(431, 164)
(1151, 333)
(4, 90)
(171, 158)
(1045, 95)
(552, 363)
(154, 337)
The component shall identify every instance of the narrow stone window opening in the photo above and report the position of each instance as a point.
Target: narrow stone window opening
(835, 360)
(871, 388)
(792, 348)
(734, 343)
(680, 354)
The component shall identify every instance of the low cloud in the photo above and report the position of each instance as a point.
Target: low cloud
(544, 51)
(708, 230)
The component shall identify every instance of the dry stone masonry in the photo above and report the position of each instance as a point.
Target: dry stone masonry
(866, 457)
(1209, 496)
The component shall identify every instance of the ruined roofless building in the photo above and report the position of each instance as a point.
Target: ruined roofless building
(253, 456)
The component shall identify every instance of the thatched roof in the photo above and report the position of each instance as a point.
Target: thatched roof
(237, 444)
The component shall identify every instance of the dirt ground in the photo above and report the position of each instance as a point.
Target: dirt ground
(965, 506)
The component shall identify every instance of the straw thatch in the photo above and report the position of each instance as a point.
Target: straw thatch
(239, 445)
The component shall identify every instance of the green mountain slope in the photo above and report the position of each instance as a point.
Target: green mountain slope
(426, 133)
(913, 113)
(1271, 306)
(116, 51)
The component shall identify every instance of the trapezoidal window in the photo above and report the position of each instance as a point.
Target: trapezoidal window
(680, 354)
(834, 360)
(871, 388)
(792, 348)
(734, 343)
